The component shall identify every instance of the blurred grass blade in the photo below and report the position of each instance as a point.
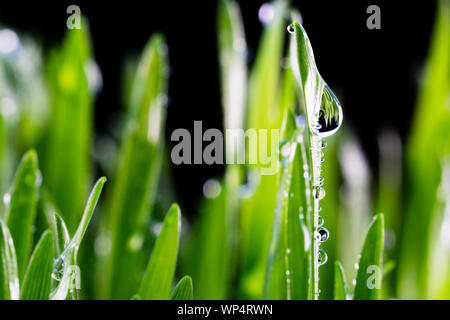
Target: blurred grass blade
(183, 290)
(9, 277)
(22, 208)
(428, 146)
(66, 263)
(263, 113)
(70, 126)
(368, 279)
(37, 281)
(340, 284)
(158, 278)
(135, 182)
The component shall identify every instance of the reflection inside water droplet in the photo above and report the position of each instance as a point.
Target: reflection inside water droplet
(319, 193)
(330, 114)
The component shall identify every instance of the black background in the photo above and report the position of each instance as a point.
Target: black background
(374, 72)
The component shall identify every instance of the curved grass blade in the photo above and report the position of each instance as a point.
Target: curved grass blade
(340, 284)
(160, 271)
(183, 289)
(369, 277)
(66, 263)
(22, 208)
(287, 264)
(9, 277)
(38, 277)
(132, 197)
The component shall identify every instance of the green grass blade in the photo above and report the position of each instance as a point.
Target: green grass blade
(22, 209)
(66, 263)
(9, 277)
(158, 278)
(340, 284)
(287, 266)
(263, 113)
(183, 290)
(37, 281)
(369, 277)
(428, 146)
(135, 181)
(67, 147)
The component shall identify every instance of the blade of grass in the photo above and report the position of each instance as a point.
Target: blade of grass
(37, 281)
(68, 258)
(22, 208)
(135, 182)
(427, 146)
(183, 290)
(287, 265)
(340, 284)
(158, 278)
(263, 113)
(368, 279)
(70, 126)
(9, 277)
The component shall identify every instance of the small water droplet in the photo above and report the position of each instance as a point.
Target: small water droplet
(286, 154)
(323, 257)
(357, 266)
(291, 28)
(319, 193)
(324, 144)
(354, 282)
(322, 234)
(288, 251)
(288, 272)
(320, 221)
(288, 280)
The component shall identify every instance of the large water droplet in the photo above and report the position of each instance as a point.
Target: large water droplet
(330, 114)
(266, 13)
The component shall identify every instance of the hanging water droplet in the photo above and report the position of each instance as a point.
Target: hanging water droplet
(319, 193)
(323, 257)
(330, 114)
(322, 234)
(286, 154)
(291, 28)
(324, 144)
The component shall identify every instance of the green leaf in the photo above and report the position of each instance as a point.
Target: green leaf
(136, 178)
(66, 263)
(368, 279)
(160, 271)
(22, 209)
(340, 284)
(9, 278)
(37, 283)
(183, 290)
(287, 264)
(66, 153)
